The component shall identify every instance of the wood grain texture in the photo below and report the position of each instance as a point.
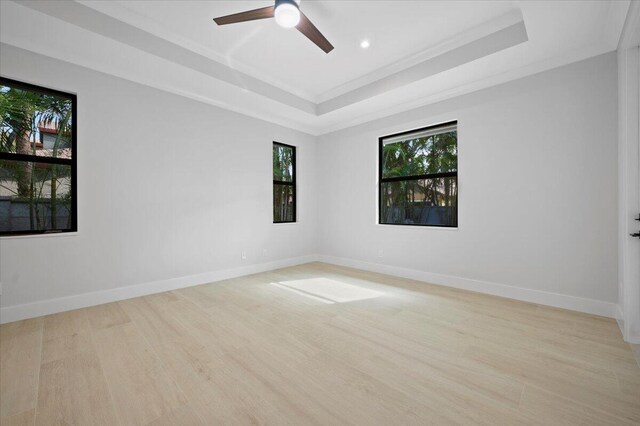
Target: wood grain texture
(141, 389)
(250, 15)
(107, 315)
(20, 352)
(72, 386)
(26, 418)
(318, 344)
(306, 27)
(73, 391)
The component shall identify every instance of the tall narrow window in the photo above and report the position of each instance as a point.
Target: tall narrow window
(419, 177)
(284, 183)
(37, 159)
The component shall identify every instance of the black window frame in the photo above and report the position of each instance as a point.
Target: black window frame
(73, 162)
(292, 183)
(382, 180)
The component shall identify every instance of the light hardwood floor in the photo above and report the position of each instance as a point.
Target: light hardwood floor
(317, 344)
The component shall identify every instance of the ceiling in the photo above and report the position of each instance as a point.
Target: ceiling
(285, 57)
(421, 51)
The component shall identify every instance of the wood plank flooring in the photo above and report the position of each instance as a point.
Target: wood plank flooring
(321, 345)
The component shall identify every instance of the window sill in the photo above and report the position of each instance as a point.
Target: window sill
(437, 228)
(285, 223)
(50, 235)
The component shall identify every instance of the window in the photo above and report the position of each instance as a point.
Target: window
(419, 177)
(37, 159)
(284, 183)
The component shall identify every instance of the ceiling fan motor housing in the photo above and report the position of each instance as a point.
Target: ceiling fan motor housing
(292, 2)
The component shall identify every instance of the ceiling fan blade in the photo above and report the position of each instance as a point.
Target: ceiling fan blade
(312, 33)
(250, 15)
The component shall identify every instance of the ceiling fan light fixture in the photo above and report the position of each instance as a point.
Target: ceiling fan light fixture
(287, 13)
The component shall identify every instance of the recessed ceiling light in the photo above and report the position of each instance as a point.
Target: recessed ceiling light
(365, 43)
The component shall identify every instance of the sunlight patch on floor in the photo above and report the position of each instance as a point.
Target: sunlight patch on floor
(302, 293)
(329, 291)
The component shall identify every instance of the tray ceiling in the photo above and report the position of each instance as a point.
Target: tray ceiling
(421, 51)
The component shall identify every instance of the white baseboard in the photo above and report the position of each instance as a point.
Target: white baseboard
(62, 304)
(620, 318)
(574, 303)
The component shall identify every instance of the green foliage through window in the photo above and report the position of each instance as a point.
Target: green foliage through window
(419, 177)
(37, 167)
(284, 183)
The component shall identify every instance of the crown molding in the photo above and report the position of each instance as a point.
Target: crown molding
(495, 42)
(630, 36)
(121, 12)
(115, 22)
(494, 80)
(409, 84)
(460, 40)
(92, 20)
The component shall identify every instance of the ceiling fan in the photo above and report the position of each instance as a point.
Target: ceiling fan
(287, 14)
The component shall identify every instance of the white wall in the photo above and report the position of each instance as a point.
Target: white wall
(167, 187)
(170, 188)
(538, 189)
